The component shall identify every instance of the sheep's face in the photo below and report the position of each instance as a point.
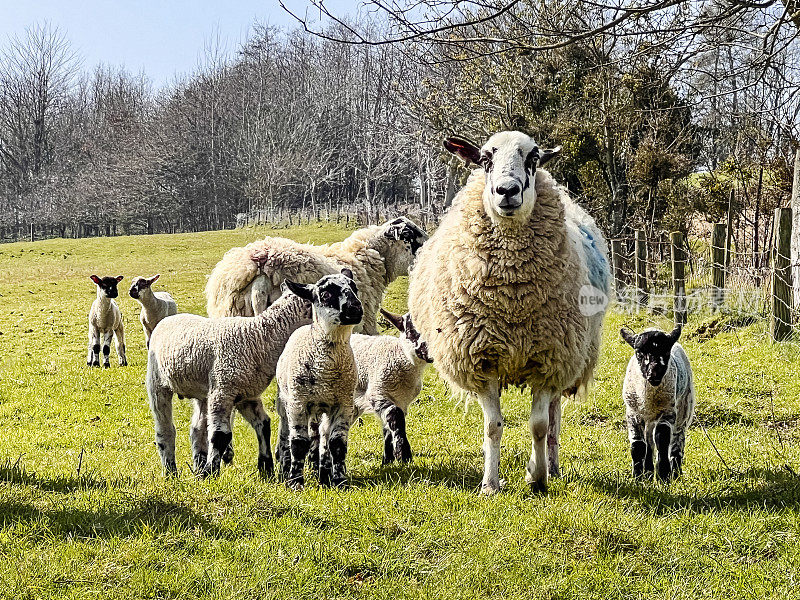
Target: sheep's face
(409, 239)
(140, 284)
(652, 350)
(107, 286)
(510, 159)
(334, 298)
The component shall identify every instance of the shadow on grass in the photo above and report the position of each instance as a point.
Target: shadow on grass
(61, 483)
(756, 488)
(457, 472)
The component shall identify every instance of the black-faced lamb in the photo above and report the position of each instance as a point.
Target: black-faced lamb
(105, 321)
(248, 279)
(316, 379)
(659, 400)
(222, 364)
(155, 305)
(511, 289)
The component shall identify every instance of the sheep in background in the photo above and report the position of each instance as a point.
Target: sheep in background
(659, 401)
(248, 279)
(105, 321)
(317, 377)
(511, 289)
(223, 364)
(155, 305)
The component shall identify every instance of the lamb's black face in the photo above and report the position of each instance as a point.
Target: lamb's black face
(406, 231)
(652, 350)
(336, 296)
(139, 284)
(413, 336)
(108, 285)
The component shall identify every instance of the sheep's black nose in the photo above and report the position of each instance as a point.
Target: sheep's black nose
(508, 189)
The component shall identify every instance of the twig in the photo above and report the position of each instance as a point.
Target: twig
(714, 446)
(80, 463)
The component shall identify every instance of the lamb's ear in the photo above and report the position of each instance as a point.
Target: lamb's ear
(676, 333)
(153, 279)
(395, 320)
(95, 278)
(347, 273)
(306, 292)
(394, 229)
(463, 149)
(548, 153)
(119, 278)
(630, 337)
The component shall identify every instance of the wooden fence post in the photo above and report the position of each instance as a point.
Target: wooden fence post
(641, 267)
(782, 276)
(678, 277)
(729, 231)
(717, 266)
(618, 264)
(32, 235)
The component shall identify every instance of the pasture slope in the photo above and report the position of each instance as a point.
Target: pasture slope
(117, 529)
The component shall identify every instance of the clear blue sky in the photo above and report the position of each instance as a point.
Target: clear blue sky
(160, 37)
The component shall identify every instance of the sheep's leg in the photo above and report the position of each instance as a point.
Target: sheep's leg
(337, 444)
(553, 433)
(676, 451)
(492, 433)
(199, 434)
(648, 457)
(93, 356)
(227, 456)
(639, 446)
(282, 454)
(395, 442)
(299, 443)
(314, 449)
(325, 468)
(253, 412)
(663, 439)
(160, 399)
(107, 348)
(119, 339)
(220, 435)
(147, 333)
(539, 422)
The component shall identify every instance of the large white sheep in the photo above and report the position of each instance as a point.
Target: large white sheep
(248, 279)
(511, 290)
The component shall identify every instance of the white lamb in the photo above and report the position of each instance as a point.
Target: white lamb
(659, 401)
(248, 279)
(317, 377)
(105, 321)
(155, 305)
(222, 364)
(511, 290)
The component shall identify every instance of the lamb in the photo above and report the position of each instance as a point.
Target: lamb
(659, 401)
(155, 305)
(247, 279)
(317, 377)
(105, 320)
(222, 364)
(511, 290)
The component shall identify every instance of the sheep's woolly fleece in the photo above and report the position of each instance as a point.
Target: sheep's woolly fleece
(367, 252)
(504, 301)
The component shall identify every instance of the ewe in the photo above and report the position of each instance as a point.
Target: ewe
(105, 320)
(155, 305)
(248, 279)
(317, 377)
(659, 401)
(505, 293)
(223, 364)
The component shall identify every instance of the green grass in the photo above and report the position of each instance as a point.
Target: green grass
(729, 528)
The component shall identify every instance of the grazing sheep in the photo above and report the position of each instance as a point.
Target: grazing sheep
(105, 320)
(247, 279)
(223, 364)
(511, 290)
(155, 305)
(659, 401)
(317, 377)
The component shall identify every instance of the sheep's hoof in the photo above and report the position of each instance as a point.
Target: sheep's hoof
(106, 365)
(265, 466)
(490, 489)
(123, 363)
(227, 456)
(537, 486)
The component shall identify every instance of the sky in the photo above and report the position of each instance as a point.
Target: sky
(163, 38)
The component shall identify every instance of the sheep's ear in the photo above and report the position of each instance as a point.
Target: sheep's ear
(394, 229)
(306, 292)
(95, 278)
(153, 279)
(347, 273)
(676, 333)
(463, 149)
(395, 320)
(630, 337)
(548, 153)
(119, 278)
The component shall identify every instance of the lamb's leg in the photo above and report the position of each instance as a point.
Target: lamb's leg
(282, 454)
(147, 334)
(199, 434)
(227, 456)
(325, 468)
(539, 423)
(253, 412)
(396, 447)
(220, 406)
(299, 443)
(119, 339)
(160, 399)
(337, 436)
(107, 348)
(553, 433)
(489, 400)
(639, 446)
(93, 356)
(676, 450)
(314, 449)
(663, 439)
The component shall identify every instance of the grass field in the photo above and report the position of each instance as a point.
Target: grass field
(86, 513)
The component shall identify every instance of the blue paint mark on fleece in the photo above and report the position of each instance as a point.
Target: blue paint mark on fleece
(596, 261)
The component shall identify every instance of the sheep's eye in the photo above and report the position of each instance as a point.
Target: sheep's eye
(325, 296)
(486, 160)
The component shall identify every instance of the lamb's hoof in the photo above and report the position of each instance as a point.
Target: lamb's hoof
(200, 462)
(555, 471)
(123, 363)
(227, 456)
(490, 489)
(265, 466)
(207, 471)
(295, 485)
(170, 470)
(106, 365)
(537, 486)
